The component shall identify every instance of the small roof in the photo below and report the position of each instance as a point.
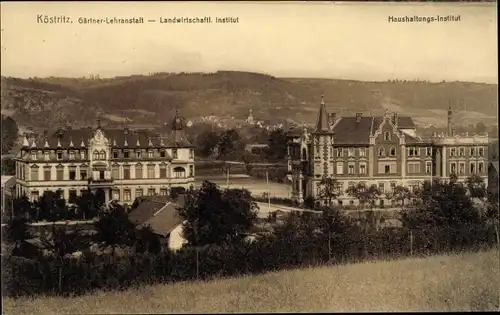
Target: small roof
(495, 165)
(159, 212)
(7, 180)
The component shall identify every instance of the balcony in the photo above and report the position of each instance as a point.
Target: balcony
(100, 182)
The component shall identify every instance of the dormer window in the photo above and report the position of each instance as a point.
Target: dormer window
(59, 155)
(393, 152)
(138, 154)
(191, 153)
(82, 155)
(381, 152)
(350, 152)
(387, 136)
(174, 154)
(126, 154)
(150, 154)
(71, 155)
(33, 155)
(115, 154)
(162, 154)
(46, 156)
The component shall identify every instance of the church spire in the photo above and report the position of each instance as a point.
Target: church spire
(322, 124)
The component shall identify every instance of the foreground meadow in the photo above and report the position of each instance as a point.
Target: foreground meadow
(461, 282)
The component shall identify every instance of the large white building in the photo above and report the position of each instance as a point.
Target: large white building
(120, 164)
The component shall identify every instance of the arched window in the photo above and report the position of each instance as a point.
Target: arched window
(393, 151)
(387, 136)
(381, 152)
(95, 155)
(102, 155)
(179, 172)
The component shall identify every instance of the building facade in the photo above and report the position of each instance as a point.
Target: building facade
(384, 151)
(121, 164)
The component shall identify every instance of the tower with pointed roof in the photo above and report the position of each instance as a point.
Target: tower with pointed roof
(322, 143)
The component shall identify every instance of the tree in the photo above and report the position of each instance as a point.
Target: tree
(22, 206)
(277, 145)
(229, 142)
(400, 194)
(365, 194)
(9, 133)
(51, 206)
(87, 205)
(476, 186)
(17, 232)
(147, 241)
(328, 189)
(481, 128)
(214, 216)
(442, 204)
(8, 167)
(114, 228)
(207, 142)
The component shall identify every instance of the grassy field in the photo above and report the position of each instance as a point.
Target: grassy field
(461, 282)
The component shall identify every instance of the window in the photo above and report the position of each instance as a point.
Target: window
(472, 151)
(72, 196)
(387, 136)
(83, 173)
(163, 192)
(179, 172)
(116, 194)
(393, 186)
(472, 167)
(428, 167)
(453, 168)
(71, 155)
(102, 175)
(115, 172)
(126, 172)
(340, 168)
(138, 154)
(163, 171)
(47, 156)
(115, 154)
(72, 173)
(82, 155)
(35, 195)
(151, 191)
(480, 167)
(191, 153)
(127, 195)
(138, 171)
(362, 168)
(350, 168)
(102, 155)
(138, 193)
(350, 152)
(428, 151)
(413, 168)
(481, 151)
(393, 152)
(381, 152)
(461, 151)
(151, 171)
(362, 152)
(59, 155)
(95, 155)
(47, 173)
(60, 172)
(174, 154)
(387, 169)
(191, 170)
(33, 156)
(413, 151)
(162, 154)
(126, 154)
(461, 168)
(339, 152)
(381, 187)
(34, 173)
(453, 152)
(150, 154)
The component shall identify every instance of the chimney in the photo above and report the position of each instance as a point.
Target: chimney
(395, 119)
(358, 117)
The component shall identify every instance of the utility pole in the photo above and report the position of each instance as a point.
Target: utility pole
(411, 243)
(268, 190)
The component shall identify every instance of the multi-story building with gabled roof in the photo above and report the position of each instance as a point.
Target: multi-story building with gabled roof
(120, 164)
(384, 151)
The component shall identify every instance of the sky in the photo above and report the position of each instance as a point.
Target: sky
(324, 40)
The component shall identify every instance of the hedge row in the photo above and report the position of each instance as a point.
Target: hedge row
(41, 276)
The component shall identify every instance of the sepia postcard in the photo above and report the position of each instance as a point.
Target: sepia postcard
(249, 157)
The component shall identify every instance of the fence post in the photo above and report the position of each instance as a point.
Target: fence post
(411, 243)
(329, 245)
(197, 264)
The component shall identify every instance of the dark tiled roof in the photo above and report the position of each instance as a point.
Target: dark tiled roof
(348, 131)
(159, 212)
(495, 165)
(404, 122)
(74, 138)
